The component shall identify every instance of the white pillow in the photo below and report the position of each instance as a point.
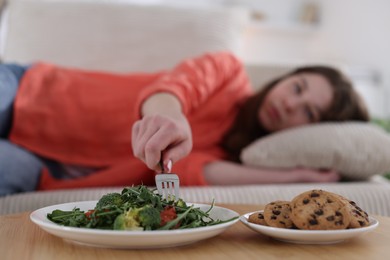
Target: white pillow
(357, 150)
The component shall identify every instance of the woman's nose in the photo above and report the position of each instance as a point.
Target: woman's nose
(291, 104)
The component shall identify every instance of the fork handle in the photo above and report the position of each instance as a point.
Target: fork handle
(161, 163)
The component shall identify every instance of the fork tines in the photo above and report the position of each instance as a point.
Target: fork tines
(168, 185)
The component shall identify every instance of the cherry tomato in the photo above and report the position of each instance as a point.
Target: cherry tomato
(89, 213)
(168, 214)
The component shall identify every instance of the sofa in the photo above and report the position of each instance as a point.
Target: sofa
(121, 36)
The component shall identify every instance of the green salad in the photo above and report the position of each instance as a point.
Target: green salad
(136, 208)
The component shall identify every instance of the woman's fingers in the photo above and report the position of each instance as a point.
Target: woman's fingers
(323, 176)
(155, 134)
(141, 133)
(173, 144)
(315, 175)
(177, 152)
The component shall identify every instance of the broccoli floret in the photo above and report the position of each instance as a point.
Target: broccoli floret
(181, 203)
(145, 218)
(149, 217)
(127, 221)
(110, 199)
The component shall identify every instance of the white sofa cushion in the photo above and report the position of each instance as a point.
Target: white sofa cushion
(357, 150)
(117, 36)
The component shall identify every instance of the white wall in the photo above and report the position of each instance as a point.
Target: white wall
(356, 32)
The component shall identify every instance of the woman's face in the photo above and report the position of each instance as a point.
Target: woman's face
(297, 100)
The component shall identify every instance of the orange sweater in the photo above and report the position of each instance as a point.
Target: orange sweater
(85, 117)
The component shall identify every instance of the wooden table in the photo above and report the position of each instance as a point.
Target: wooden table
(22, 239)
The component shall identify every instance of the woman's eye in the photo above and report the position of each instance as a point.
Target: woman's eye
(310, 114)
(297, 89)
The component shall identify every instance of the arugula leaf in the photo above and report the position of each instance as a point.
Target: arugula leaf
(176, 221)
(74, 218)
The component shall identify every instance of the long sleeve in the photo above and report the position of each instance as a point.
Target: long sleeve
(195, 80)
(85, 118)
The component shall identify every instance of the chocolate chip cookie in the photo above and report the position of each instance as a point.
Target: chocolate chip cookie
(359, 218)
(320, 210)
(257, 218)
(277, 214)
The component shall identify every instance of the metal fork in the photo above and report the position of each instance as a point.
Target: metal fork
(168, 184)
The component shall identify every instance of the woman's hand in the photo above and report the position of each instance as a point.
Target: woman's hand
(163, 131)
(314, 175)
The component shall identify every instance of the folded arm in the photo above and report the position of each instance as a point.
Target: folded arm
(229, 173)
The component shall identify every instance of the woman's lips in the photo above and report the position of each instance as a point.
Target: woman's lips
(273, 113)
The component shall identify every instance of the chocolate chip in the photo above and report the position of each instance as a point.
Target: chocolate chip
(305, 201)
(276, 212)
(330, 218)
(282, 222)
(273, 217)
(362, 223)
(260, 216)
(359, 209)
(338, 213)
(313, 222)
(314, 194)
(340, 222)
(329, 200)
(319, 212)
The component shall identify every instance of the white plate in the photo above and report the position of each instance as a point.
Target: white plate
(131, 239)
(309, 236)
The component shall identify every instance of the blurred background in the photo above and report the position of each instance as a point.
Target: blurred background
(349, 34)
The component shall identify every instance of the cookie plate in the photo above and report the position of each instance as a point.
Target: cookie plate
(309, 236)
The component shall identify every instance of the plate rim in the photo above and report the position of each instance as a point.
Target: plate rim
(53, 228)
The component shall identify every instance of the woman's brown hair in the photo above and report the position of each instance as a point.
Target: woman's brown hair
(347, 105)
